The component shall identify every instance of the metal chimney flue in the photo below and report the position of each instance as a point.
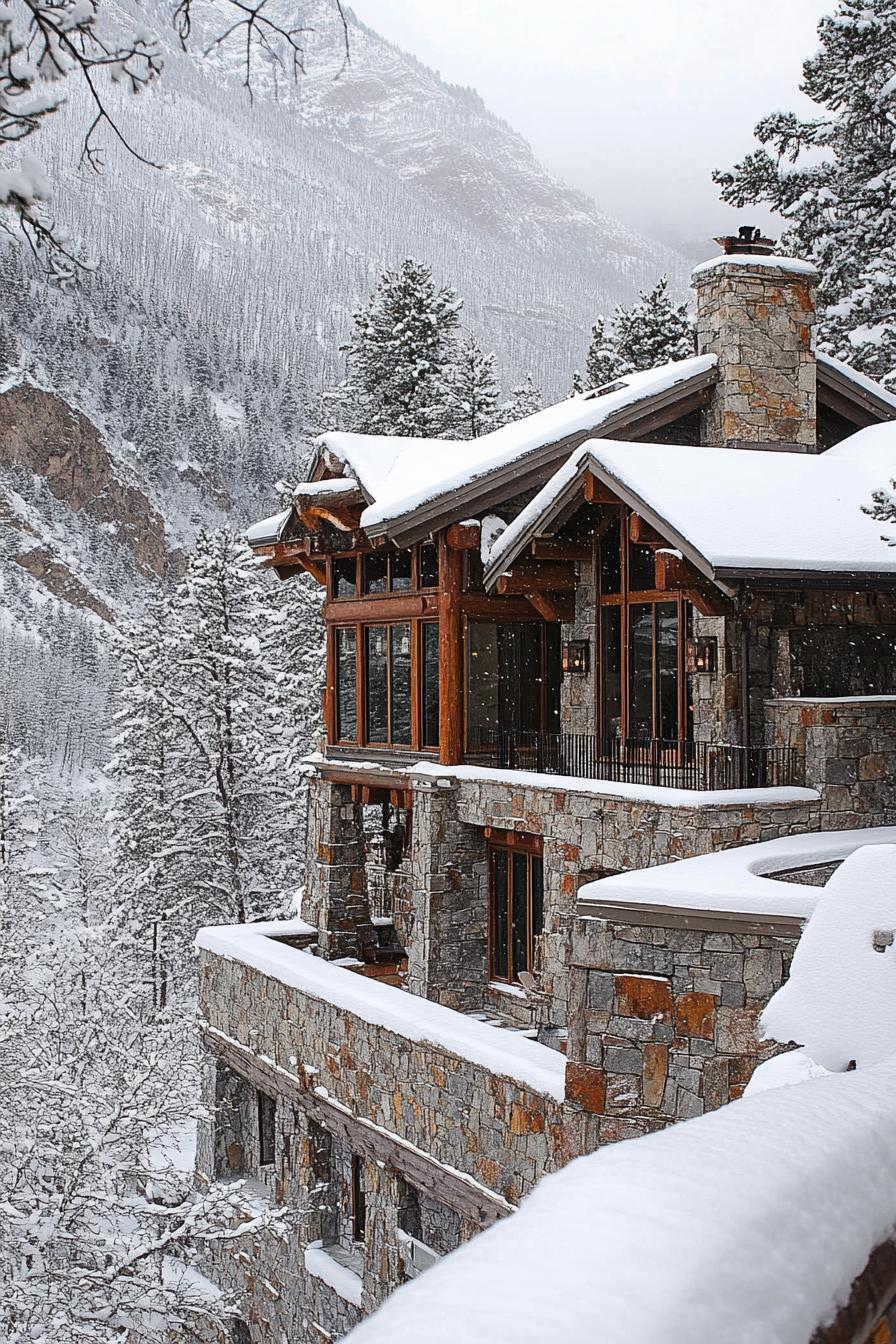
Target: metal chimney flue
(749, 240)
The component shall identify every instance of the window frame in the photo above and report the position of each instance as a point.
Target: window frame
(624, 600)
(544, 679)
(358, 1200)
(267, 1128)
(532, 848)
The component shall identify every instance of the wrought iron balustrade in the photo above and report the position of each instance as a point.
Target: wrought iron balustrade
(669, 763)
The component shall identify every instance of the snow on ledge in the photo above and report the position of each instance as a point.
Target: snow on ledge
(506, 1053)
(739, 880)
(605, 788)
(751, 260)
(678, 1235)
(344, 1281)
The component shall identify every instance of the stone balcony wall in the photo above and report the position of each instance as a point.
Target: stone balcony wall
(849, 746)
(663, 1013)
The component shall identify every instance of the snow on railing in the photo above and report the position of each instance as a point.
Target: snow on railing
(756, 1223)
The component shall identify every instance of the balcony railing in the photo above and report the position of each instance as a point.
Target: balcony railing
(668, 763)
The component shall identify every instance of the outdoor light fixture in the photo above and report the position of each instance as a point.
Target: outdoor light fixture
(701, 654)
(575, 657)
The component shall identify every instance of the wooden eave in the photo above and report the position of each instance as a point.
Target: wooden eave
(532, 471)
(850, 399)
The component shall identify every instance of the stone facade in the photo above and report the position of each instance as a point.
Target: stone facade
(759, 320)
(849, 747)
(663, 1014)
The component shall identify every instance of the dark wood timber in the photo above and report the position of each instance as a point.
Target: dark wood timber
(463, 536)
(597, 493)
(451, 655)
(642, 534)
(464, 1196)
(538, 576)
(872, 1293)
(554, 606)
(546, 549)
(676, 575)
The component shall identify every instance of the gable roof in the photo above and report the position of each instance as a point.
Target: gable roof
(734, 513)
(411, 482)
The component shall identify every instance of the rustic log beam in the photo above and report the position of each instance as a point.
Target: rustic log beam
(344, 519)
(642, 534)
(339, 498)
(538, 576)
(598, 493)
(464, 1195)
(545, 549)
(674, 574)
(553, 606)
(463, 536)
(451, 654)
(388, 607)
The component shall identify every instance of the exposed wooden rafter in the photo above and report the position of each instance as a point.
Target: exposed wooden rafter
(538, 576)
(546, 548)
(554, 606)
(463, 536)
(677, 575)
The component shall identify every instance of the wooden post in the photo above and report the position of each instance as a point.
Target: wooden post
(451, 655)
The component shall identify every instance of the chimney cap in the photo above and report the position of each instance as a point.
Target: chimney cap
(748, 239)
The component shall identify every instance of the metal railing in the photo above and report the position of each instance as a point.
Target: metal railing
(669, 763)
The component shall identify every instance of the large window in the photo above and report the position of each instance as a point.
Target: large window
(516, 890)
(429, 662)
(346, 684)
(513, 679)
(381, 672)
(387, 681)
(641, 639)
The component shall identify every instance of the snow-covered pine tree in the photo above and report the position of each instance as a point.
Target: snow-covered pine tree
(216, 710)
(524, 399)
(400, 359)
(474, 389)
(654, 330)
(98, 1096)
(833, 178)
(602, 363)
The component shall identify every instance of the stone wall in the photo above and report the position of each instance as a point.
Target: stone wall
(578, 693)
(849, 747)
(663, 1014)
(336, 899)
(403, 1095)
(759, 320)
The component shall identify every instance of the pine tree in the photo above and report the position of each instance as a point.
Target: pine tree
(833, 178)
(524, 399)
(400, 358)
(217, 703)
(474, 390)
(653, 331)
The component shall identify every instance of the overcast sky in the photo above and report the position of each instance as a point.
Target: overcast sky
(636, 101)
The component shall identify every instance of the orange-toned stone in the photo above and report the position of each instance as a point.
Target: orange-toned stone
(695, 1014)
(642, 996)
(571, 853)
(525, 1120)
(586, 1086)
(653, 1080)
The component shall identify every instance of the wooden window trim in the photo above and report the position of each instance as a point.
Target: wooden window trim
(533, 853)
(625, 599)
(331, 716)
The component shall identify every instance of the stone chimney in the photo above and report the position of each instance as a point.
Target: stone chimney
(756, 312)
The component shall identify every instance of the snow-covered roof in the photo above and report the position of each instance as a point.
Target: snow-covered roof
(268, 530)
(740, 880)
(401, 474)
(748, 1224)
(836, 368)
(725, 508)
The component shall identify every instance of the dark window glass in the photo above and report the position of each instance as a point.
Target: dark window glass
(376, 573)
(536, 879)
(519, 915)
(401, 571)
(359, 1202)
(611, 671)
(482, 683)
(500, 969)
(517, 893)
(641, 568)
(667, 669)
(376, 644)
(640, 670)
(552, 676)
(267, 1129)
(430, 685)
(343, 576)
(473, 572)
(428, 561)
(610, 570)
(400, 656)
(346, 686)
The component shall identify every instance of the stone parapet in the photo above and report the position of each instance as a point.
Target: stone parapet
(849, 747)
(663, 1013)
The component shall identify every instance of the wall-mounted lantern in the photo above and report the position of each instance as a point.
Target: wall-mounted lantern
(576, 657)
(701, 655)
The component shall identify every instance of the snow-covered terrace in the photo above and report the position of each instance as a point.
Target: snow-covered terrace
(768, 1221)
(745, 880)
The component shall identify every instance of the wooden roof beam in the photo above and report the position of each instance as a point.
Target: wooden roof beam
(548, 549)
(463, 537)
(598, 493)
(677, 575)
(554, 607)
(544, 576)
